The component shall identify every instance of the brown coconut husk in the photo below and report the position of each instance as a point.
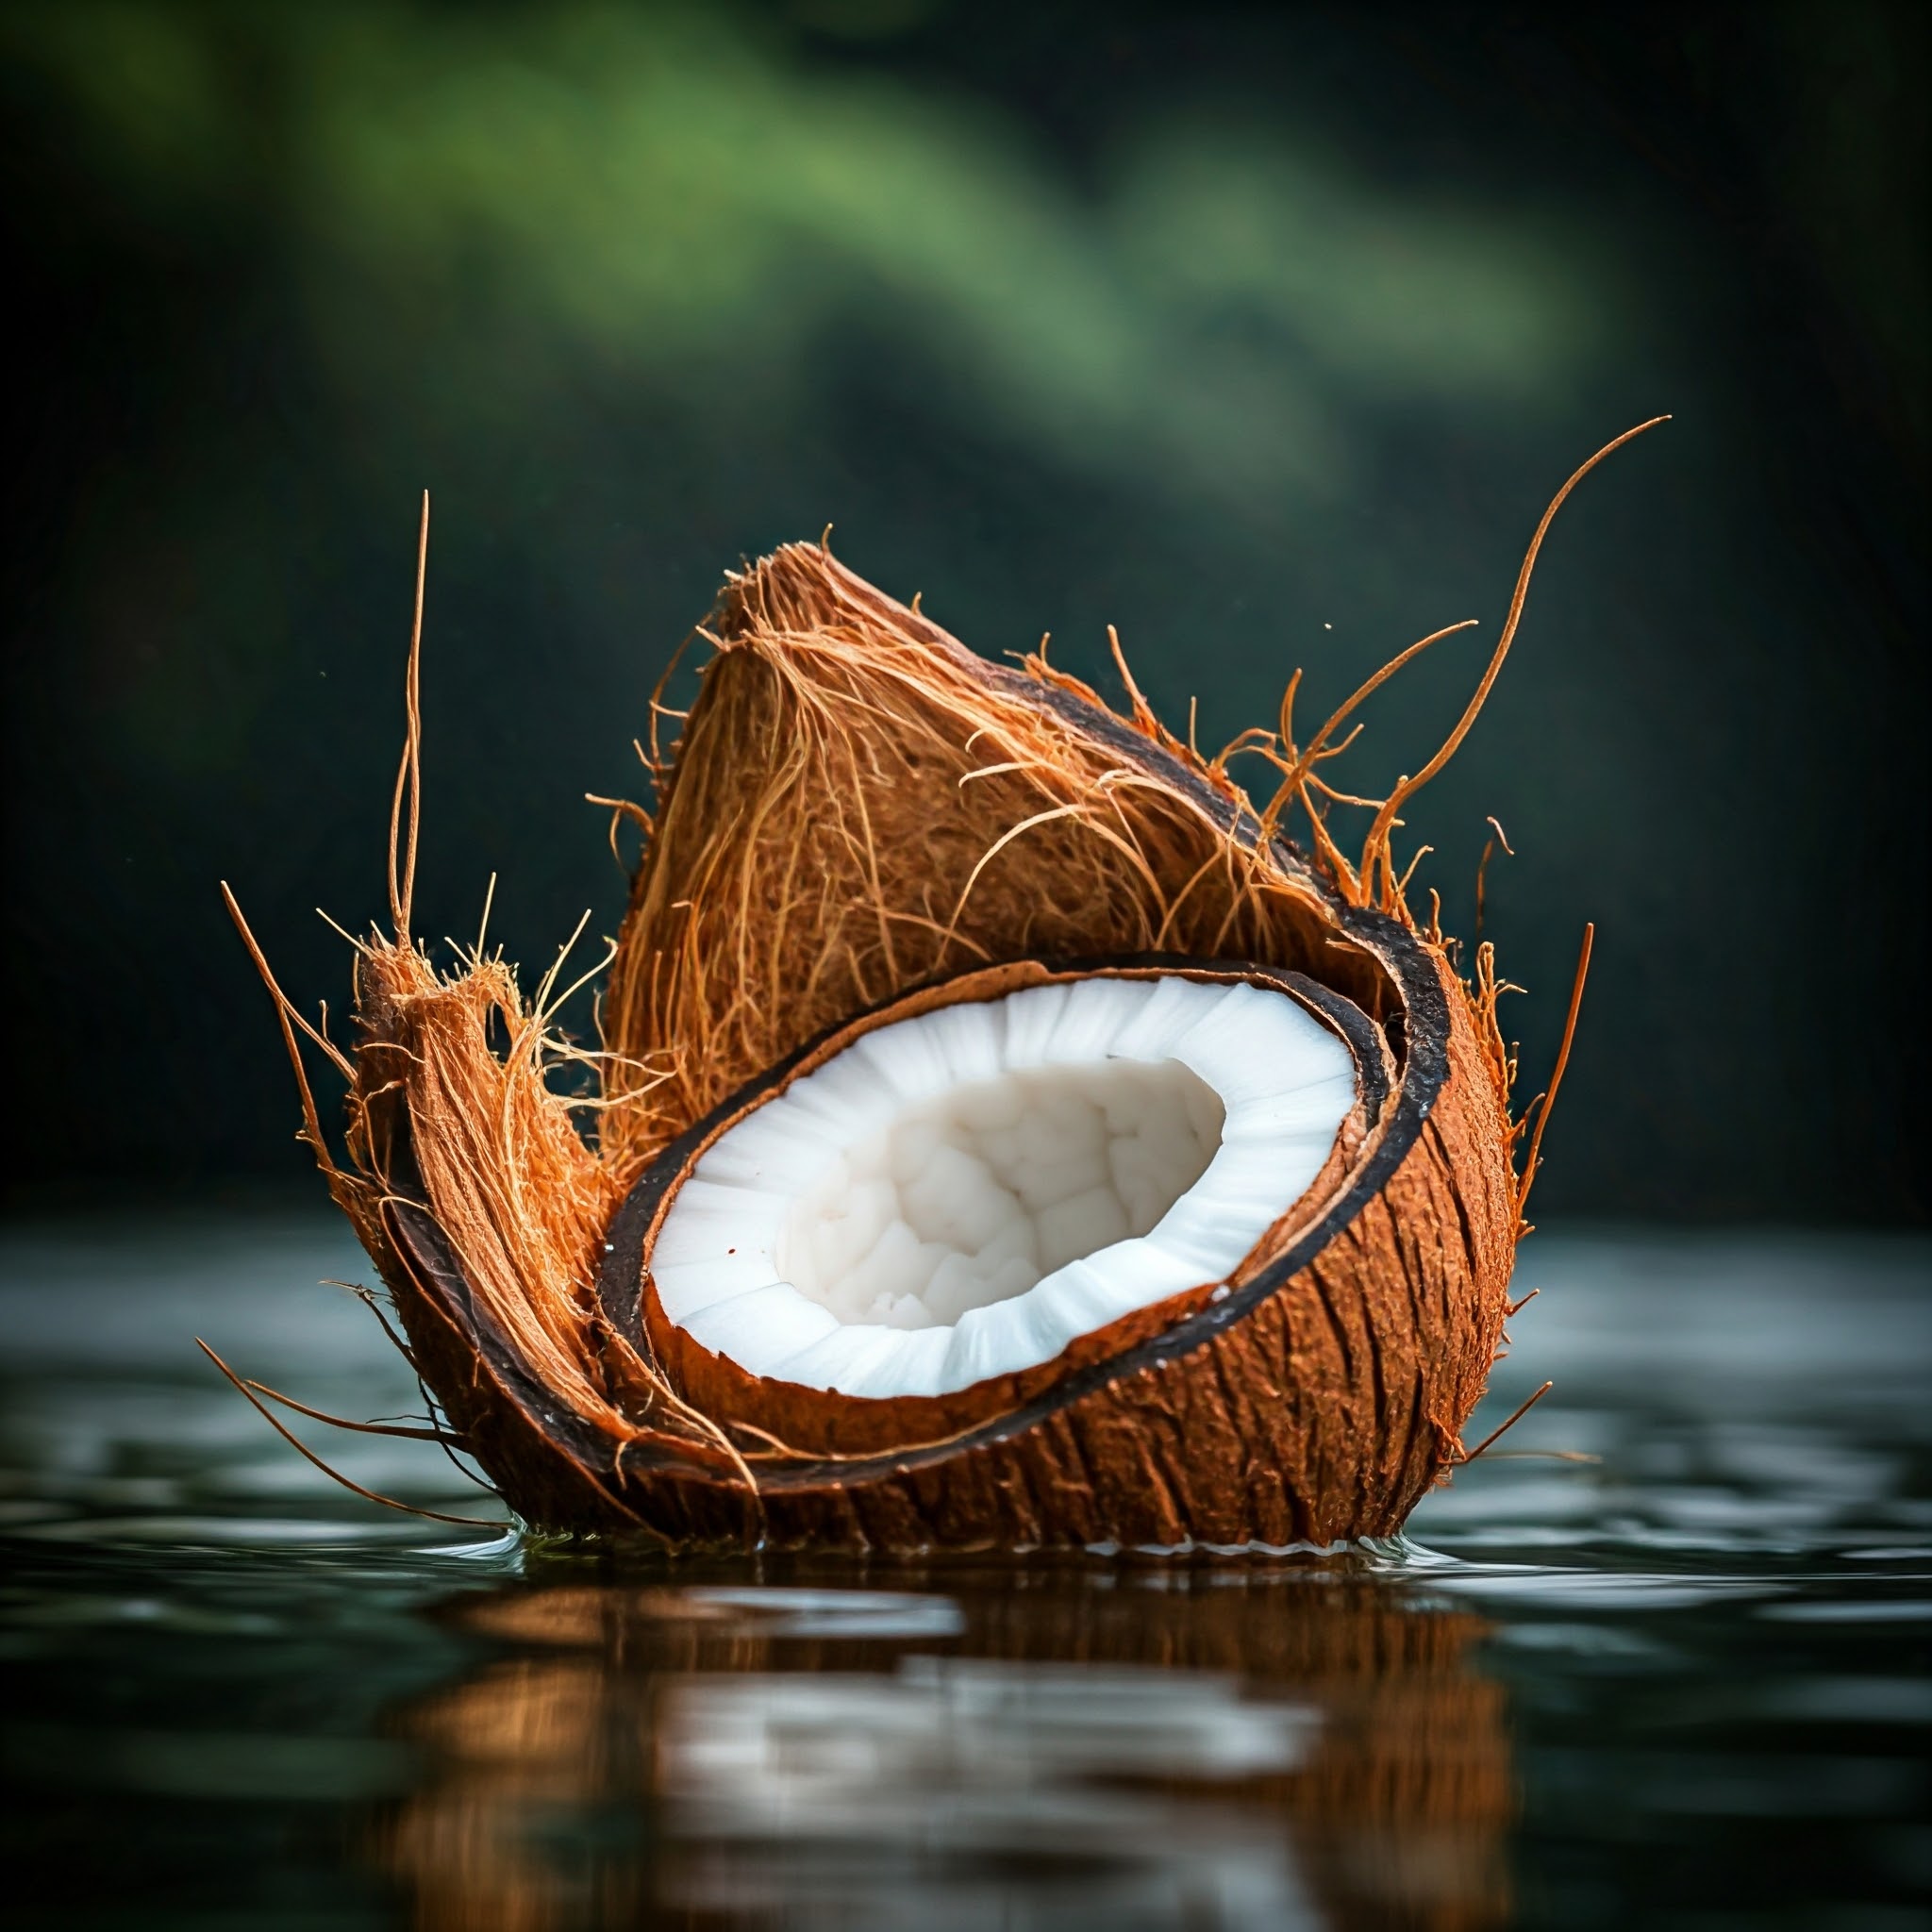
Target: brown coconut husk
(860, 811)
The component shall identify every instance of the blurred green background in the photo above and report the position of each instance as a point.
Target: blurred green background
(1264, 333)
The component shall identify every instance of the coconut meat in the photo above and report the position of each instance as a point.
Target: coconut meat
(962, 1194)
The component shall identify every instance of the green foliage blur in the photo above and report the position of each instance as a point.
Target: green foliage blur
(1264, 333)
(474, 205)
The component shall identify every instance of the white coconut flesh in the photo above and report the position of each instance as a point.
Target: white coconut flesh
(963, 1193)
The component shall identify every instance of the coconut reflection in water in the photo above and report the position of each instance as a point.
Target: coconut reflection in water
(1210, 1747)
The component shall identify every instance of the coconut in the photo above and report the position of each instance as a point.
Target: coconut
(1002, 1136)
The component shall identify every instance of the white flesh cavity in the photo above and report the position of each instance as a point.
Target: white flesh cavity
(960, 1196)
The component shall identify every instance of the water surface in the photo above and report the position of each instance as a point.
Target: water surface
(1682, 1683)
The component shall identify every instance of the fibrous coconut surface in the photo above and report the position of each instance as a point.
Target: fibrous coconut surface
(1002, 1133)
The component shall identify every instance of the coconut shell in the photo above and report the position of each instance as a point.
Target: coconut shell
(862, 815)
(1311, 1405)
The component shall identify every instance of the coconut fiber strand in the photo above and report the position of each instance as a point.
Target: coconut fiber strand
(863, 819)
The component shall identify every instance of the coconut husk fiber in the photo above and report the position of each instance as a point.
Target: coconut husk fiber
(860, 818)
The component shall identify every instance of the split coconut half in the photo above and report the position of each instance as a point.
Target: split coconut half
(1002, 1135)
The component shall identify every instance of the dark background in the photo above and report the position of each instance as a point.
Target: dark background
(1263, 332)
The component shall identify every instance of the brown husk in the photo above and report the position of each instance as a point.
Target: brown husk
(838, 827)
(858, 807)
